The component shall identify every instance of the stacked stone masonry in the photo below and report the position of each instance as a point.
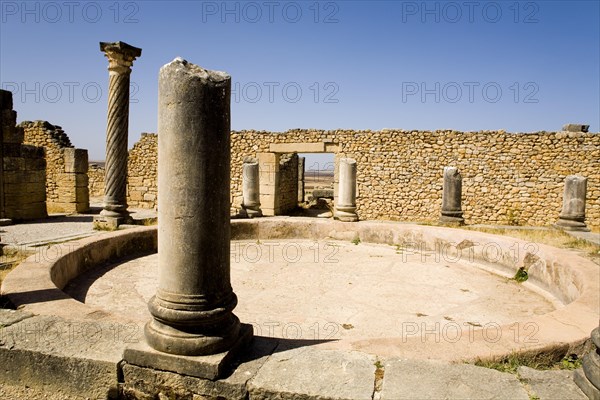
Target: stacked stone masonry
(142, 181)
(66, 167)
(96, 181)
(507, 178)
(23, 169)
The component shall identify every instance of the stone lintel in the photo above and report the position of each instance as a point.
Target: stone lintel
(206, 367)
(297, 147)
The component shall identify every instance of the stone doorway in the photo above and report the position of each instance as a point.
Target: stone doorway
(316, 183)
(283, 177)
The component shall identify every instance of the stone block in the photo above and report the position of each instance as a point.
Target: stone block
(297, 147)
(407, 379)
(575, 128)
(81, 194)
(35, 164)
(268, 162)
(6, 99)
(28, 151)
(207, 367)
(13, 164)
(37, 197)
(308, 373)
(76, 160)
(36, 176)
(35, 187)
(151, 382)
(71, 180)
(548, 385)
(107, 223)
(81, 207)
(135, 195)
(322, 193)
(268, 201)
(13, 135)
(12, 150)
(70, 365)
(58, 207)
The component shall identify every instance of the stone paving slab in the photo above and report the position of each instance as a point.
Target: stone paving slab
(60, 227)
(310, 374)
(550, 385)
(62, 355)
(410, 379)
(9, 317)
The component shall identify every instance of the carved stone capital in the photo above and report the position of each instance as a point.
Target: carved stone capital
(120, 56)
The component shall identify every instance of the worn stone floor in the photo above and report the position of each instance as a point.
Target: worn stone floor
(437, 292)
(348, 291)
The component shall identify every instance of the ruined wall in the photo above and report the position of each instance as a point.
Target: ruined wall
(23, 169)
(507, 178)
(66, 167)
(142, 182)
(288, 182)
(96, 180)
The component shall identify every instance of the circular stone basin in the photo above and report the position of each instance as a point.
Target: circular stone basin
(323, 290)
(384, 288)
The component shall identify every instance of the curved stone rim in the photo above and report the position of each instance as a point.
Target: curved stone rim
(36, 284)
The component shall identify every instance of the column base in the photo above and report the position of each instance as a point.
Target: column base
(346, 214)
(250, 213)
(102, 222)
(206, 367)
(592, 392)
(571, 225)
(452, 219)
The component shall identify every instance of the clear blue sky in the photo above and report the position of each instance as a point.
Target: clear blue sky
(520, 66)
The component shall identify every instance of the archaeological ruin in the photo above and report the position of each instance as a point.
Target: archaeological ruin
(236, 293)
(507, 178)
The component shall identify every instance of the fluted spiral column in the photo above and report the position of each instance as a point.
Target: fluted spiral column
(120, 59)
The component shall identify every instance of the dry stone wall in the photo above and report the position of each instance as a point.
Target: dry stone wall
(508, 178)
(142, 182)
(96, 180)
(66, 167)
(23, 192)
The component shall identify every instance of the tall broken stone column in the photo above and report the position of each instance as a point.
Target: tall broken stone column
(452, 197)
(572, 216)
(120, 59)
(192, 308)
(345, 203)
(250, 189)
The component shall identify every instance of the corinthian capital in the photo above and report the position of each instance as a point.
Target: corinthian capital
(120, 56)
